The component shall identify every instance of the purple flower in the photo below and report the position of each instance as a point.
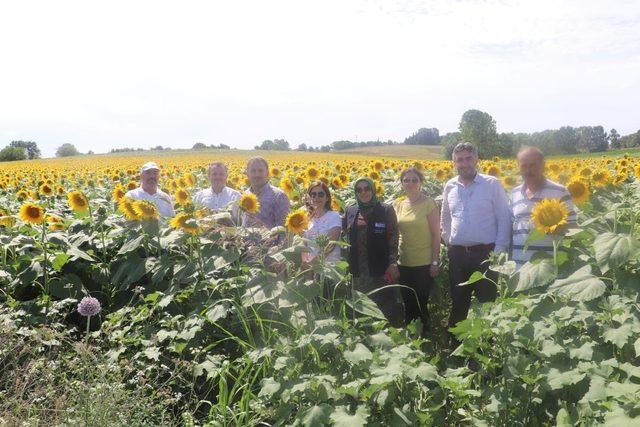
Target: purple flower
(89, 306)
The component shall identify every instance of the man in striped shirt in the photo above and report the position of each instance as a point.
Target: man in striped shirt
(535, 188)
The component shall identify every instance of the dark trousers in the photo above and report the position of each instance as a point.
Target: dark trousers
(463, 261)
(416, 298)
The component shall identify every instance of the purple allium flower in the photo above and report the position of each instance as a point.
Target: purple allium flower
(89, 306)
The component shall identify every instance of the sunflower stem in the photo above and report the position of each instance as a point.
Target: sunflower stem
(45, 284)
(555, 251)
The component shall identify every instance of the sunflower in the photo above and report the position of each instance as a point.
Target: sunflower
(6, 220)
(145, 209)
(182, 197)
(22, 195)
(336, 182)
(185, 222)
(55, 223)
(297, 221)
(118, 193)
(601, 178)
(274, 172)
(78, 201)
(132, 185)
(46, 189)
(249, 203)
(549, 214)
(190, 179)
(509, 181)
(579, 191)
(493, 170)
(126, 207)
(377, 165)
(286, 185)
(312, 173)
(31, 213)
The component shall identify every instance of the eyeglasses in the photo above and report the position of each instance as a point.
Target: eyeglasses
(362, 189)
(410, 180)
(315, 194)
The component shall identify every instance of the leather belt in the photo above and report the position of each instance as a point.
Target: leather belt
(474, 248)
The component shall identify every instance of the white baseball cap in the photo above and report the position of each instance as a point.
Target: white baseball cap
(149, 166)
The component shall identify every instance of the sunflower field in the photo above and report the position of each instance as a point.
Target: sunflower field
(192, 322)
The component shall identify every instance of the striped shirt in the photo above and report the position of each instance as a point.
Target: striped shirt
(521, 207)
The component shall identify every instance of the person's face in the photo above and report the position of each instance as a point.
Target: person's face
(364, 192)
(317, 197)
(531, 168)
(257, 173)
(150, 178)
(218, 177)
(410, 182)
(465, 163)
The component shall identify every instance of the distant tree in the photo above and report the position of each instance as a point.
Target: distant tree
(224, 147)
(449, 141)
(157, 148)
(10, 154)
(325, 148)
(31, 148)
(276, 144)
(90, 152)
(592, 139)
(631, 140)
(424, 136)
(199, 146)
(479, 128)
(66, 150)
(614, 139)
(302, 147)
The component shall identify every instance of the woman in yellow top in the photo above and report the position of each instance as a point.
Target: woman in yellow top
(419, 227)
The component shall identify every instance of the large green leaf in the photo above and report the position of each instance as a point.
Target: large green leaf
(131, 245)
(342, 418)
(536, 274)
(316, 416)
(580, 286)
(612, 250)
(618, 336)
(269, 387)
(558, 379)
(359, 354)
(364, 305)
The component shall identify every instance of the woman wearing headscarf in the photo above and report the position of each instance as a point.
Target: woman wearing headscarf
(372, 230)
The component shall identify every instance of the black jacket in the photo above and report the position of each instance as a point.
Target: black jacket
(382, 238)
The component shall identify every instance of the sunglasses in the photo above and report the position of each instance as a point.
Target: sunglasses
(410, 180)
(315, 194)
(362, 189)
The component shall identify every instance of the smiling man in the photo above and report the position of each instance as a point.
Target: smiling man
(218, 196)
(475, 221)
(148, 190)
(274, 203)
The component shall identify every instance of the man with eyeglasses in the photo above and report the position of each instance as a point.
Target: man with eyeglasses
(475, 221)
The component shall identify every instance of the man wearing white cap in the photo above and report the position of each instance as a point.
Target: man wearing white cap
(148, 190)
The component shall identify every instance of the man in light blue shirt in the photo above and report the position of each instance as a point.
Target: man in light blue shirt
(475, 221)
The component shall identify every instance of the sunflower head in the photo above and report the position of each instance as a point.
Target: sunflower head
(78, 201)
(55, 223)
(118, 193)
(249, 203)
(579, 191)
(6, 220)
(182, 196)
(126, 207)
(297, 221)
(46, 189)
(145, 209)
(549, 215)
(31, 213)
(185, 222)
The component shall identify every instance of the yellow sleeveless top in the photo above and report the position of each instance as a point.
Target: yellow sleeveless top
(415, 236)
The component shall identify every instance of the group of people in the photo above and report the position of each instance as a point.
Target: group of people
(401, 243)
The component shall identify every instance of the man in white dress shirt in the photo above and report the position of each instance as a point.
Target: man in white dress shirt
(218, 196)
(476, 220)
(148, 190)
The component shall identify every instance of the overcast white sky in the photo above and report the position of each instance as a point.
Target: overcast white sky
(145, 73)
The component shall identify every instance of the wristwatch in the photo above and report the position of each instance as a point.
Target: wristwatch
(435, 263)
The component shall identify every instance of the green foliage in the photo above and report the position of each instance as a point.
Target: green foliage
(66, 150)
(30, 147)
(10, 154)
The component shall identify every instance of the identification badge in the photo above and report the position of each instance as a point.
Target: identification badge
(380, 225)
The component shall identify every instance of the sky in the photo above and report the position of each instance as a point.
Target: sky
(104, 75)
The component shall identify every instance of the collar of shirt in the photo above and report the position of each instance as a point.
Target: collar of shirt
(264, 190)
(523, 188)
(476, 179)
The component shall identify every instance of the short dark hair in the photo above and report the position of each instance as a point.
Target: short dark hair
(327, 204)
(464, 146)
(258, 159)
(413, 170)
